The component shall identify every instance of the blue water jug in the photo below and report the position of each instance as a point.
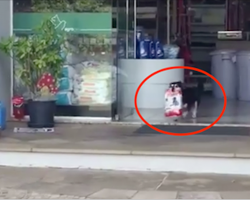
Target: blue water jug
(159, 50)
(145, 49)
(142, 50)
(2, 116)
(152, 49)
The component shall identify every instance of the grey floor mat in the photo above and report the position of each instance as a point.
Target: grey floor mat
(216, 130)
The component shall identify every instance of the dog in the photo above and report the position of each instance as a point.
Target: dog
(191, 97)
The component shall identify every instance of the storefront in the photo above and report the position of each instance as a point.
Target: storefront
(103, 73)
(88, 89)
(204, 27)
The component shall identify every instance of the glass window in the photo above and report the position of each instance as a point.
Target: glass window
(86, 87)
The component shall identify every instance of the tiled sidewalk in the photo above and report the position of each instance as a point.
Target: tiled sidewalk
(125, 194)
(32, 183)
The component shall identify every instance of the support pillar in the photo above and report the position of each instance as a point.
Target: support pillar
(6, 30)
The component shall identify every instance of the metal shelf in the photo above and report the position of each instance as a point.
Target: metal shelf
(204, 24)
(202, 48)
(208, 6)
(204, 32)
(204, 35)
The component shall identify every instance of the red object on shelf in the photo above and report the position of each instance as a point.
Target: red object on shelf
(18, 107)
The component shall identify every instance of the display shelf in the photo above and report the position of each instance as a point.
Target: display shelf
(205, 24)
(207, 35)
(208, 6)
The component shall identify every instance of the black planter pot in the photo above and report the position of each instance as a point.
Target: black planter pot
(41, 114)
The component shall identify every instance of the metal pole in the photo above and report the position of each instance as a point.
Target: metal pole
(168, 21)
(157, 20)
(135, 25)
(227, 27)
(127, 27)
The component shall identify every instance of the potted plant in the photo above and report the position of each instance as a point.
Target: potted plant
(39, 56)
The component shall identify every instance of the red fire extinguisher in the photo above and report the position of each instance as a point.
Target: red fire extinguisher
(18, 107)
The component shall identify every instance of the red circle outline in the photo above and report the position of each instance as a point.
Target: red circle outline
(181, 134)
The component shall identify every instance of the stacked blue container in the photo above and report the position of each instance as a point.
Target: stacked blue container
(146, 48)
(159, 50)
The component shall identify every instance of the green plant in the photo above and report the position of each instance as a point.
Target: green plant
(88, 44)
(36, 54)
(71, 6)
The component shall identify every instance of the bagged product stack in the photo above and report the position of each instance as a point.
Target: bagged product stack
(95, 87)
(65, 91)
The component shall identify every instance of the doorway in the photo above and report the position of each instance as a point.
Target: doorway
(206, 19)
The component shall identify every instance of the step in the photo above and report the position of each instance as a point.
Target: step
(156, 161)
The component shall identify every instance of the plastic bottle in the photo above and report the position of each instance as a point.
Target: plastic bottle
(139, 33)
(147, 47)
(2, 116)
(152, 49)
(159, 50)
(143, 51)
(139, 42)
(166, 51)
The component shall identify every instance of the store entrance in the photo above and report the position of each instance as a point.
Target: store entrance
(201, 25)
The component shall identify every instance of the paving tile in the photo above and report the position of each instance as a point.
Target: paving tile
(155, 195)
(17, 179)
(78, 190)
(114, 179)
(113, 194)
(235, 195)
(42, 187)
(53, 178)
(205, 182)
(22, 194)
(198, 195)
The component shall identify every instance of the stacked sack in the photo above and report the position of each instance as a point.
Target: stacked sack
(65, 94)
(95, 85)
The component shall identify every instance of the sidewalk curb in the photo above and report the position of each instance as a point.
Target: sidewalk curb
(31, 149)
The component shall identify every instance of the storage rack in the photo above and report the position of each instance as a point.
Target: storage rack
(207, 20)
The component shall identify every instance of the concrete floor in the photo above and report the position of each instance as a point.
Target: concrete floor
(108, 137)
(237, 112)
(28, 183)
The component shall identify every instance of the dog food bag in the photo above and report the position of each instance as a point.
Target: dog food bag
(173, 102)
(68, 71)
(65, 84)
(64, 98)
